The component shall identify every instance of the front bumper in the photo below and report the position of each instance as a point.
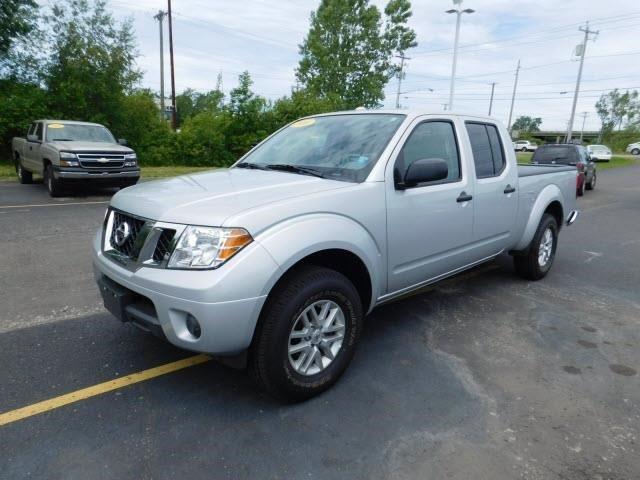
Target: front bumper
(130, 175)
(226, 302)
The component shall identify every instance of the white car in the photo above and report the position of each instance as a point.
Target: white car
(524, 146)
(600, 153)
(634, 148)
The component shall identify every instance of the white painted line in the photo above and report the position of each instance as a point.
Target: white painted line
(52, 204)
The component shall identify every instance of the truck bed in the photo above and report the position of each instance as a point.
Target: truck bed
(528, 170)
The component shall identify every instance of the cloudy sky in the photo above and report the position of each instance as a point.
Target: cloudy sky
(229, 36)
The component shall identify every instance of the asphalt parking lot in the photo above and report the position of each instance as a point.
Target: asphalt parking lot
(485, 376)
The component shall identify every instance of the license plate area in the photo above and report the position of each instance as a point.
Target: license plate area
(115, 297)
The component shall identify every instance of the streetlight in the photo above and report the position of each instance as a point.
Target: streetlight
(458, 11)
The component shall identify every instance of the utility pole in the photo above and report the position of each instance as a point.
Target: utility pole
(458, 11)
(584, 118)
(587, 33)
(513, 96)
(400, 76)
(173, 78)
(493, 86)
(160, 17)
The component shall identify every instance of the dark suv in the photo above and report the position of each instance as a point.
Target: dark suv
(569, 154)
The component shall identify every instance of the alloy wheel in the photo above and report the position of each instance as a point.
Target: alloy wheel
(545, 249)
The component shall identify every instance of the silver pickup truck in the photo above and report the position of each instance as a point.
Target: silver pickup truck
(282, 255)
(68, 153)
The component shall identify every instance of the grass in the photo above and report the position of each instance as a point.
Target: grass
(7, 171)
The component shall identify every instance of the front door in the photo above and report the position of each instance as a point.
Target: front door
(429, 226)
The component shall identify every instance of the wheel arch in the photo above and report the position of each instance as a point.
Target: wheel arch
(550, 200)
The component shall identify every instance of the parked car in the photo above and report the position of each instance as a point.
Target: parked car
(569, 154)
(525, 146)
(633, 148)
(68, 153)
(281, 255)
(599, 153)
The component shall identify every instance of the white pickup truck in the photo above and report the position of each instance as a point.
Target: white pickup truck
(68, 153)
(282, 255)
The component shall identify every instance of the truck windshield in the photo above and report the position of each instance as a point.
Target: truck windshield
(73, 132)
(338, 147)
(556, 154)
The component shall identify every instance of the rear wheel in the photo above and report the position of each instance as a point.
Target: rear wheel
(635, 151)
(307, 334)
(536, 263)
(592, 184)
(524, 149)
(24, 177)
(53, 185)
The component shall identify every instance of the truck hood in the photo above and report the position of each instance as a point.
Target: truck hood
(102, 147)
(210, 198)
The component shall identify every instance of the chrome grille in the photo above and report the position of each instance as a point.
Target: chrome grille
(164, 246)
(129, 247)
(101, 160)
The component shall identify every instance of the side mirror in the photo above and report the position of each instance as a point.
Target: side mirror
(123, 141)
(425, 170)
(32, 138)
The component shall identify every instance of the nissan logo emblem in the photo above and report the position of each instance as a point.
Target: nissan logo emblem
(122, 233)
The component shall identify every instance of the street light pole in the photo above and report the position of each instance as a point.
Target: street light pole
(513, 97)
(458, 13)
(400, 76)
(160, 16)
(584, 118)
(173, 77)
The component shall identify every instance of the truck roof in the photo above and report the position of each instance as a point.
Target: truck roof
(410, 113)
(75, 122)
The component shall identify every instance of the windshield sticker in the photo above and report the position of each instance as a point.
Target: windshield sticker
(55, 125)
(304, 123)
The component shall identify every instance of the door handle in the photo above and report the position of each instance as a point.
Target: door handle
(463, 197)
(509, 189)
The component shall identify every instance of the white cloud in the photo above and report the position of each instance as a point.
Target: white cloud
(262, 36)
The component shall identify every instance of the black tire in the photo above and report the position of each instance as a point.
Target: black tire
(53, 186)
(592, 184)
(635, 151)
(580, 189)
(524, 149)
(528, 265)
(269, 359)
(24, 177)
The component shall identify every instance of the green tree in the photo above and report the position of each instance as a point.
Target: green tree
(349, 50)
(92, 62)
(17, 20)
(525, 124)
(301, 103)
(617, 109)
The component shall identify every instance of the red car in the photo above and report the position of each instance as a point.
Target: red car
(569, 154)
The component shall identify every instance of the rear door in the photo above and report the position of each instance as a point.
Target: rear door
(32, 148)
(496, 199)
(429, 226)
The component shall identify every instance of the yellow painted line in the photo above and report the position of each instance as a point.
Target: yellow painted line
(99, 389)
(53, 204)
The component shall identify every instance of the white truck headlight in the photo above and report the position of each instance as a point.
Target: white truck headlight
(207, 247)
(68, 159)
(130, 159)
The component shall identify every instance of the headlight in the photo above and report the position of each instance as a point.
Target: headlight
(68, 159)
(130, 159)
(207, 247)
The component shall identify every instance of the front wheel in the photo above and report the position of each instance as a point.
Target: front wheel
(524, 149)
(635, 151)
(536, 263)
(307, 334)
(53, 185)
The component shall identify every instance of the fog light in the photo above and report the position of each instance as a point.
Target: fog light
(193, 326)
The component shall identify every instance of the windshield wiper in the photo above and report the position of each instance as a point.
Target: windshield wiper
(295, 169)
(251, 165)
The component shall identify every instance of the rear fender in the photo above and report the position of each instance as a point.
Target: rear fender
(549, 194)
(290, 241)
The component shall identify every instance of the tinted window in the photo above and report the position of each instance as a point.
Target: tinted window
(496, 149)
(481, 147)
(39, 130)
(563, 154)
(430, 140)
